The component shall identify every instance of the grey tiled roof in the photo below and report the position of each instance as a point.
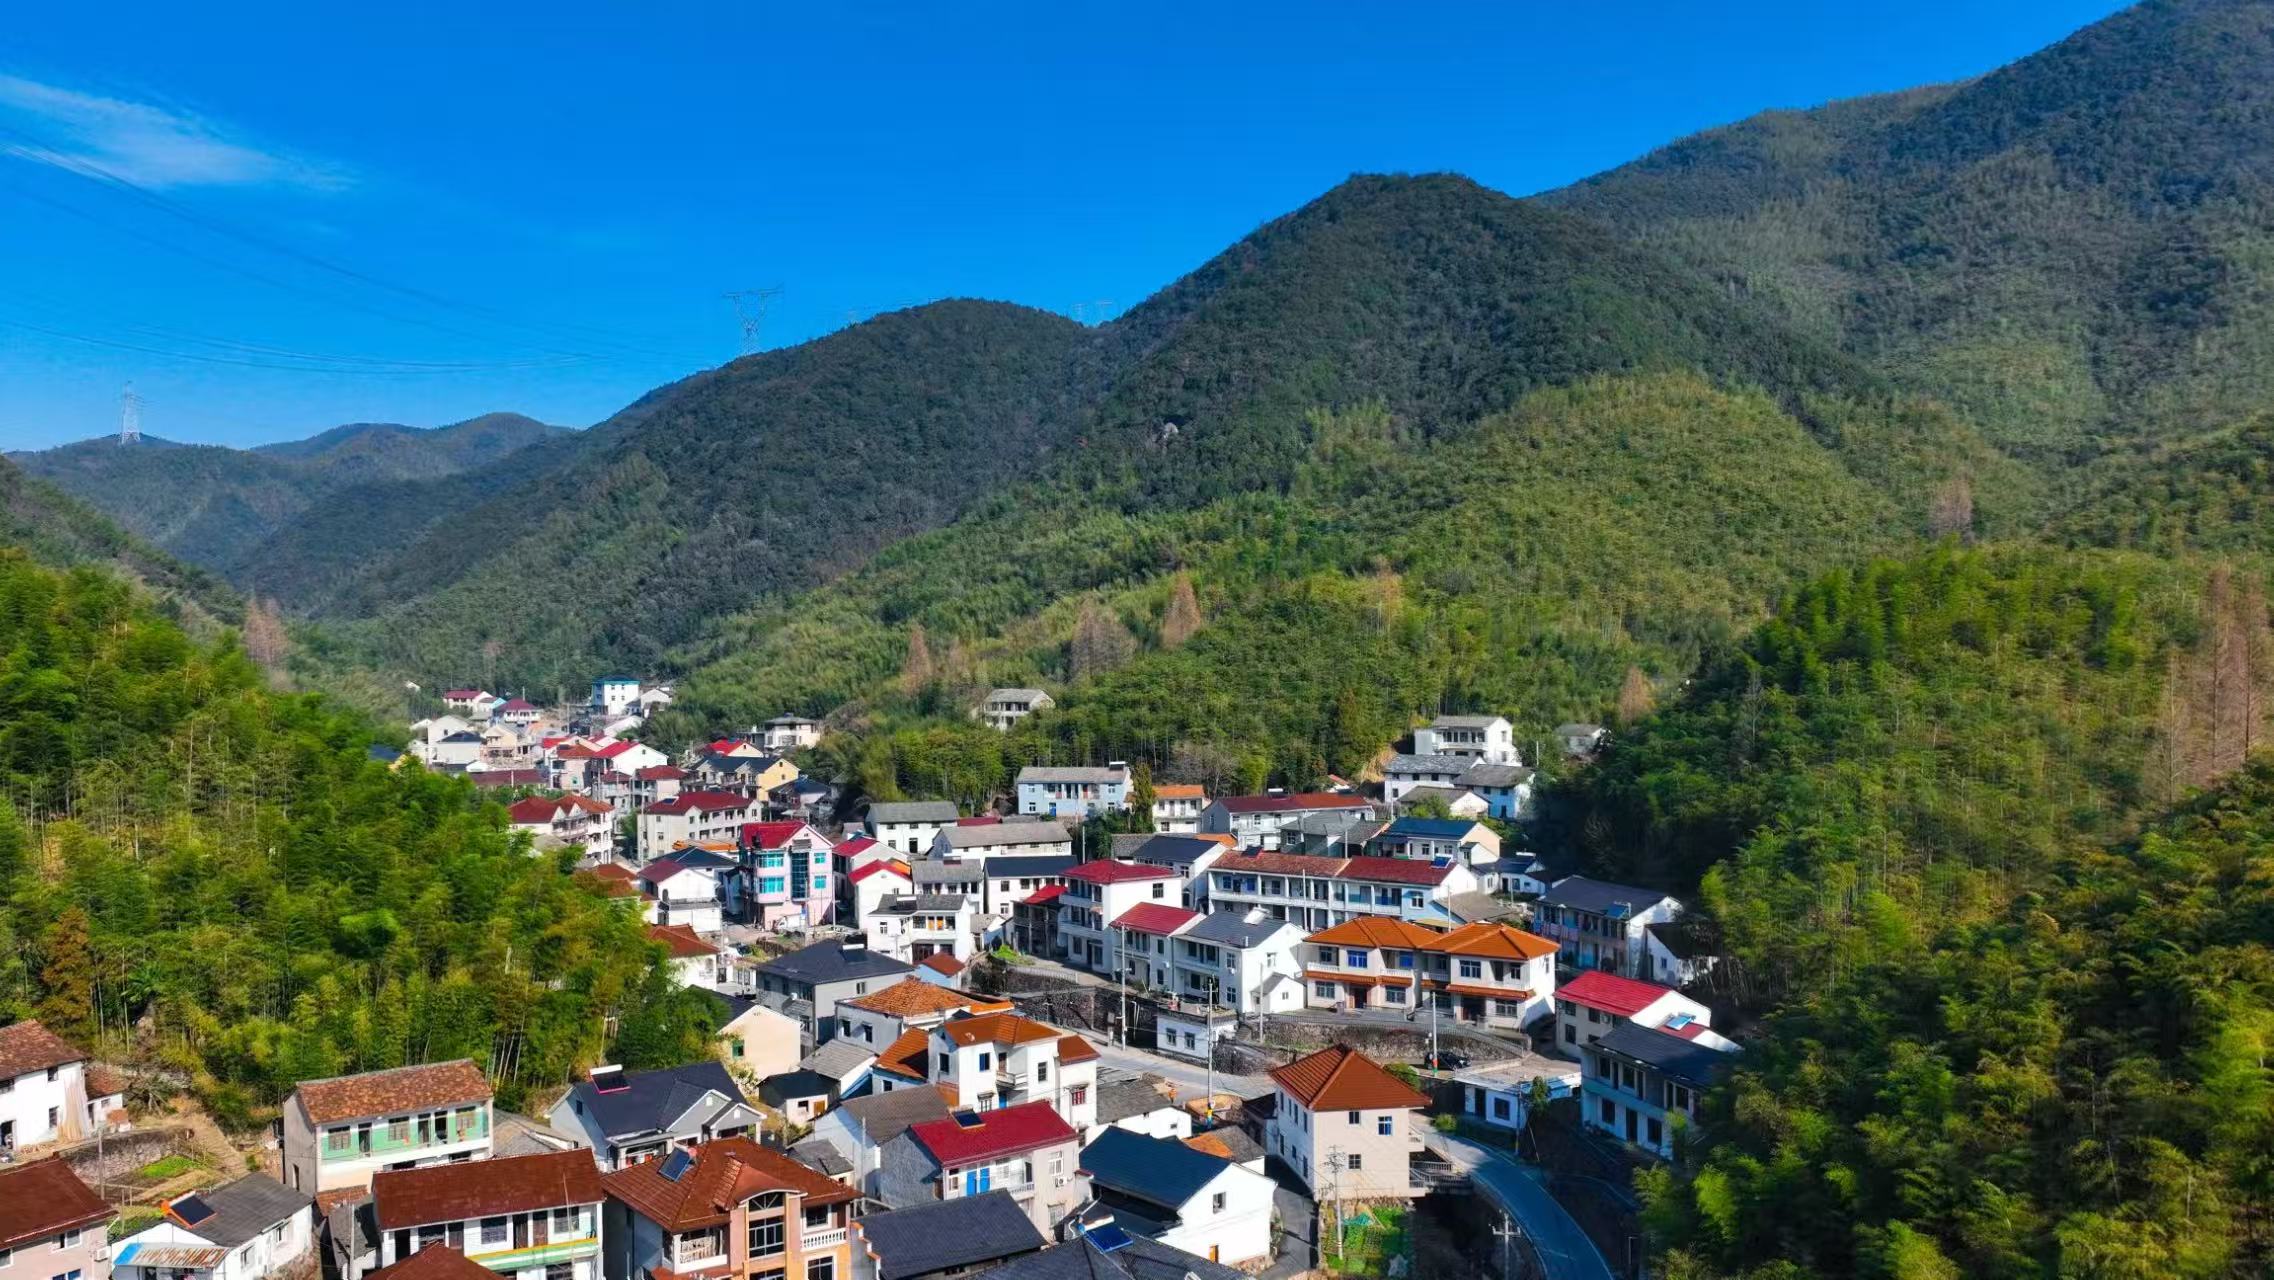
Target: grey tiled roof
(912, 811)
(948, 1233)
(1596, 896)
(1451, 766)
(1005, 833)
(1092, 774)
(838, 1058)
(247, 1207)
(1494, 775)
(833, 962)
(1159, 1171)
(1140, 1259)
(1231, 929)
(1684, 1060)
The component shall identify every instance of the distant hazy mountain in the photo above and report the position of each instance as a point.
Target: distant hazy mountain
(212, 505)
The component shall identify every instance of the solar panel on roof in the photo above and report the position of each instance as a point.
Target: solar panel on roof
(1108, 1238)
(676, 1167)
(191, 1209)
(966, 1119)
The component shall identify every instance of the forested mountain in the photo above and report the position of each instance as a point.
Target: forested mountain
(2004, 1035)
(214, 506)
(2072, 248)
(55, 529)
(200, 874)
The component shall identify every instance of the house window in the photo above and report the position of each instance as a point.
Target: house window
(986, 1061)
(1160, 889)
(1605, 1111)
(738, 1046)
(1472, 968)
(496, 1231)
(765, 1237)
(1353, 1116)
(6, 1256)
(69, 1240)
(1357, 1162)
(1654, 1130)
(1216, 1203)
(821, 1269)
(1324, 989)
(1570, 1033)
(947, 1065)
(1354, 959)
(1500, 1108)
(1383, 1125)
(1078, 1095)
(1041, 1072)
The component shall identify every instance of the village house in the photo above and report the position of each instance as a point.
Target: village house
(915, 927)
(1189, 856)
(1028, 1150)
(909, 826)
(577, 763)
(1643, 1083)
(693, 817)
(1599, 925)
(616, 695)
(845, 1063)
(995, 1059)
(474, 703)
(623, 1117)
(761, 777)
(1595, 1003)
(947, 1239)
(869, 884)
(1143, 936)
(1177, 806)
(1506, 789)
(728, 1210)
(1499, 1093)
(979, 842)
(339, 1131)
(790, 733)
(1402, 773)
(827, 972)
(862, 1128)
(1488, 738)
(1140, 1103)
(943, 970)
(1079, 792)
(1241, 960)
(1345, 1126)
(1459, 802)
(694, 961)
(1002, 708)
(1673, 953)
(1483, 974)
(755, 1038)
(1329, 833)
(50, 1091)
(1254, 822)
(1033, 928)
(566, 821)
(1581, 740)
(1319, 892)
(532, 1215)
(1474, 844)
(687, 888)
(1186, 1199)
(787, 874)
(654, 782)
(245, 1229)
(1099, 892)
(51, 1223)
(1005, 879)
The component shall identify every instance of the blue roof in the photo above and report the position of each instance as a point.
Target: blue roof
(1158, 1170)
(1441, 828)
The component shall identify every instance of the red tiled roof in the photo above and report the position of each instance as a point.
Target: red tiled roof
(980, 820)
(27, 1046)
(519, 704)
(726, 1172)
(484, 1188)
(1279, 864)
(774, 835)
(1377, 931)
(1393, 870)
(724, 746)
(1621, 997)
(533, 810)
(461, 695)
(386, 1093)
(46, 1198)
(1155, 917)
(680, 940)
(1045, 895)
(869, 870)
(1179, 791)
(1108, 871)
(1298, 801)
(659, 773)
(941, 962)
(507, 777)
(1339, 1078)
(706, 801)
(434, 1262)
(1005, 1131)
(858, 844)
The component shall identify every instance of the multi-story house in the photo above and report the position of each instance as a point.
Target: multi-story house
(1003, 708)
(693, 817)
(1345, 1126)
(1083, 791)
(656, 782)
(1488, 738)
(340, 1131)
(532, 1215)
(915, 927)
(1483, 974)
(1177, 806)
(241, 1230)
(1096, 894)
(760, 777)
(881, 1017)
(47, 1090)
(991, 1060)
(1028, 1150)
(467, 700)
(1506, 789)
(1405, 772)
(1596, 1003)
(1643, 1082)
(1319, 892)
(947, 1238)
(686, 888)
(862, 888)
(790, 733)
(695, 961)
(1599, 925)
(1189, 856)
(51, 1224)
(909, 826)
(1144, 938)
(1007, 879)
(1245, 961)
(615, 695)
(826, 972)
(1184, 1198)
(567, 821)
(787, 871)
(1427, 838)
(862, 1128)
(1581, 740)
(1254, 822)
(623, 1117)
(981, 841)
(728, 1210)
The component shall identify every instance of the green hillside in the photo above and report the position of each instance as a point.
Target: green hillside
(2214, 493)
(1990, 1031)
(55, 529)
(214, 506)
(2073, 248)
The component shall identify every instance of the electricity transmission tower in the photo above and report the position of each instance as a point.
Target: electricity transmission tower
(129, 415)
(750, 308)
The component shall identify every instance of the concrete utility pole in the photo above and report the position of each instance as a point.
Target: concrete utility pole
(1507, 1233)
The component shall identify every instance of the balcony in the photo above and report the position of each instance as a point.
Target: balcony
(693, 1254)
(377, 1143)
(822, 1238)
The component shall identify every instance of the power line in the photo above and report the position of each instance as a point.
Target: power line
(750, 308)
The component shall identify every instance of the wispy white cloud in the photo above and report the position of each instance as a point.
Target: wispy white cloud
(144, 143)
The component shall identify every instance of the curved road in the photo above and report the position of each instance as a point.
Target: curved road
(1564, 1249)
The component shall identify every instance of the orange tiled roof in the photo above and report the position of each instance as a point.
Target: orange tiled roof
(1377, 931)
(1340, 1078)
(726, 1172)
(998, 1028)
(1494, 941)
(385, 1093)
(914, 997)
(1073, 1048)
(905, 1056)
(1178, 791)
(680, 940)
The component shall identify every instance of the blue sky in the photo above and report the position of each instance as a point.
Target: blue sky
(417, 213)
